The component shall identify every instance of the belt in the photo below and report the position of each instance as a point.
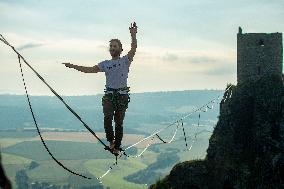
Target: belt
(119, 90)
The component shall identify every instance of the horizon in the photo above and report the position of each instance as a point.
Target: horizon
(43, 95)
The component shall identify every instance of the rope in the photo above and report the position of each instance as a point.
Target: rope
(184, 135)
(177, 121)
(144, 150)
(160, 138)
(139, 155)
(107, 172)
(170, 141)
(35, 122)
(156, 134)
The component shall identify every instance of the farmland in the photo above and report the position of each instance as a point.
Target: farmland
(82, 156)
(77, 149)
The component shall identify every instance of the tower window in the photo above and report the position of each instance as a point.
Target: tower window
(258, 70)
(261, 43)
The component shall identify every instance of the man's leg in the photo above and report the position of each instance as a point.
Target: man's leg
(118, 118)
(108, 116)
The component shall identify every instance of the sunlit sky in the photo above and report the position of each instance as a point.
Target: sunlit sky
(182, 45)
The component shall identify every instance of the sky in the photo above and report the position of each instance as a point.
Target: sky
(182, 45)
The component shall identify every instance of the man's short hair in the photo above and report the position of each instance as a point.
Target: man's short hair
(118, 41)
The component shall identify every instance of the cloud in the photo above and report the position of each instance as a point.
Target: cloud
(199, 62)
(170, 57)
(222, 69)
(217, 62)
(29, 45)
(203, 59)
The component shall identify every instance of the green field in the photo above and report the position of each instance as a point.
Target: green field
(61, 150)
(13, 159)
(81, 157)
(6, 142)
(49, 171)
(88, 159)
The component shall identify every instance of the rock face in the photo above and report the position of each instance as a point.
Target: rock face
(246, 149)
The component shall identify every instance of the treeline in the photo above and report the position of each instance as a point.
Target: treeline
(151, 173)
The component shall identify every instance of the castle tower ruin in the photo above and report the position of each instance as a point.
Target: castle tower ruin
(258, 54)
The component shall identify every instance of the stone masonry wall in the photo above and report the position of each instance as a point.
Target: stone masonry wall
(258, 54)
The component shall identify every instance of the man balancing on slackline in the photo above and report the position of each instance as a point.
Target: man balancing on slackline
(116, 97)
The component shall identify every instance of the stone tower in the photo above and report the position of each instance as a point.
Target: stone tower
(258, 54)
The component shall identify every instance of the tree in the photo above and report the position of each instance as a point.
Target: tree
(22, 179)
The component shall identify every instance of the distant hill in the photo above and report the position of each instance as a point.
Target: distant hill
(146, 110)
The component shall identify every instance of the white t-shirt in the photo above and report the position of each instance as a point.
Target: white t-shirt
(116, 72)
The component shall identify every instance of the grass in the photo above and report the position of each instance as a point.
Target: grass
(49, 171)
(6, 142)
(115, 178)
(62, 150)
(9, 159)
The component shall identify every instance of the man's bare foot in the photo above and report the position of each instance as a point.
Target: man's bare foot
(115, 151)
(111, 145)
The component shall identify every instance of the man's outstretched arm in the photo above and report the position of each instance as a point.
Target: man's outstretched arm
(133, 31)
(94, 69)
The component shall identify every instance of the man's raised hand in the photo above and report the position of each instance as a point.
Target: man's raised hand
(133, 28)
(68, 65)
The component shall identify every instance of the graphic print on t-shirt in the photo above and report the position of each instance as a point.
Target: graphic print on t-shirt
(116, 72)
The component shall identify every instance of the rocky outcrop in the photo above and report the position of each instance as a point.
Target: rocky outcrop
(246, 149)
